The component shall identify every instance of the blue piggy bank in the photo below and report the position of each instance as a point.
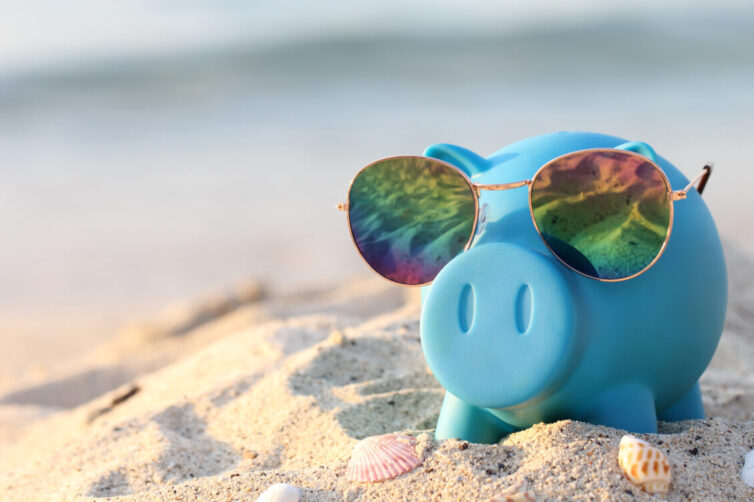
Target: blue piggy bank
(517, 338)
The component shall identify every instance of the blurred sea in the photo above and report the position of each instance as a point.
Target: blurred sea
(130, 182)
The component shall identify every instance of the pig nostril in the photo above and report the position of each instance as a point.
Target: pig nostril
(523, 308)
(466, 306)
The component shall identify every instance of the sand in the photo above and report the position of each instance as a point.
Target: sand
(221, 399)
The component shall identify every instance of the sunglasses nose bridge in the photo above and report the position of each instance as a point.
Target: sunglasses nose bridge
(501, 186)
(484, 208)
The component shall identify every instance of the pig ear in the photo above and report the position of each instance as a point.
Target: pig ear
(639, 147)
(464, 159)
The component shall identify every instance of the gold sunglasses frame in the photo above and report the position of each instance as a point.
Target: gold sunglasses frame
(476, 189)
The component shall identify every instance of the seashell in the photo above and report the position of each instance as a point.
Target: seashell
(514, 494)
(644, 465)
(747, 474)
(378, 458)
(280, 492)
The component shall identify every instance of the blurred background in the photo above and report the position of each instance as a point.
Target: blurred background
(151, 151)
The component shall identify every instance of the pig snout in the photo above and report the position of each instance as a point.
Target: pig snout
(497, 325)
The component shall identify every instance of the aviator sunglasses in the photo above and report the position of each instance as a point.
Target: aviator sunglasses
(604, 213)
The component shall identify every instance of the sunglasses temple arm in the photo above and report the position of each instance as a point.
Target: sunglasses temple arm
(701, 179)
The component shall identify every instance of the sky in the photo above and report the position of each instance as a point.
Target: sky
(41, 33)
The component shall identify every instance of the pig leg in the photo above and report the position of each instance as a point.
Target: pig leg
(687, 408)
(464, 421)
(630, 407)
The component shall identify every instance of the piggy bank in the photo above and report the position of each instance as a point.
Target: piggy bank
(517, 338)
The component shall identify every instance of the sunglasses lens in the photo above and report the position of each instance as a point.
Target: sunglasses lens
(606, 214)
(410, 216)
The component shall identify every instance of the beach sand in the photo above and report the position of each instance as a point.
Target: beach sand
(220, 400)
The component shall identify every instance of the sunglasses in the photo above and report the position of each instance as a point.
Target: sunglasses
(604, 213)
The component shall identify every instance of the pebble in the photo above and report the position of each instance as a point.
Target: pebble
(337, 338)
(280, 492)
(747, 474)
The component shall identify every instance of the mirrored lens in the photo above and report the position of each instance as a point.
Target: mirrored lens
(605, 213)
(410, 216)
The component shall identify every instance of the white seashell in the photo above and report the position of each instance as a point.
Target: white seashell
(280, 492)
(747, 474)
(644, 465)
(378, 458)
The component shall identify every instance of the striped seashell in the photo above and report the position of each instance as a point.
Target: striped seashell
(378, 458)
(280, 492)
(644, 465)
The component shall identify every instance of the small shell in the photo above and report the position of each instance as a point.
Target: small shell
(280, 492)
(747, 474)
(378, 458)
(644, 465)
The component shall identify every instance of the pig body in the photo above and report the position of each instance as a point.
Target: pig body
(517, 338)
